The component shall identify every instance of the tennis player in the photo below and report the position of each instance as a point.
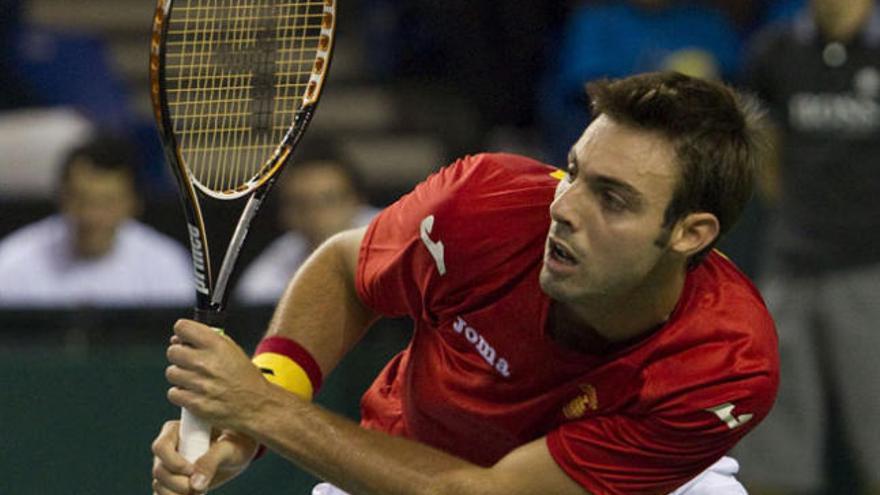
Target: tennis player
(574, 333)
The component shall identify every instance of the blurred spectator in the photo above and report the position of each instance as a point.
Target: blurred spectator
(820, 77)
(319, 195)
(93, 253)
(616, 39)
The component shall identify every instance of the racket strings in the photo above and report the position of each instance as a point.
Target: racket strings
(236, 73)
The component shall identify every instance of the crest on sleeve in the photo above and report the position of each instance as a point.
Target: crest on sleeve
(588, 400)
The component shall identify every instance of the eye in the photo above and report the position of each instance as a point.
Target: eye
(571, 170)
(612, 201)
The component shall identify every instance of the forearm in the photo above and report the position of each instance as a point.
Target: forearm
(320, 309)
(360, 461)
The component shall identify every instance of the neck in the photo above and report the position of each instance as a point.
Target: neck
(91, 252)
(621, 318)
(85, 248)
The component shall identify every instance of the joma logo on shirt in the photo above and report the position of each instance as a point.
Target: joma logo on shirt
(435, 248)
(483, 347)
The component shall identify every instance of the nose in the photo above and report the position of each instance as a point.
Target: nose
(561, 207)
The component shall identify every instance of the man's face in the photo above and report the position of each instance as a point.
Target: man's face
(318, 200)
(606, 235)
(96, 202)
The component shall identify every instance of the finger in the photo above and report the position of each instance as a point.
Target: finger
(184, 356)
(159, 489)
(206, 467)
(164, 448)
(224, 452)
(184, 398)
(196, 334)
(186, 379)
(170, 482)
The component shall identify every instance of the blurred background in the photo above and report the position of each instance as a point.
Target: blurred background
(414, 84)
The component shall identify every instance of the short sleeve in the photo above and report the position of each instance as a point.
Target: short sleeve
(657, 453)
(395, 264)
(418, 255)
(623, 455)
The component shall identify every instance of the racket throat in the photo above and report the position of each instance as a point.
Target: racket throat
(199, 260)
(218, 295)
(213, 317)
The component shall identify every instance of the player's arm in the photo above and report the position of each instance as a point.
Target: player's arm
(360, 461)
(365, 462)
(320, 309)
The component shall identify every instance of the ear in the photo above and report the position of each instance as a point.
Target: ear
(694, 232)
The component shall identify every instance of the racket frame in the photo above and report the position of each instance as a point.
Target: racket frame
(211, 290)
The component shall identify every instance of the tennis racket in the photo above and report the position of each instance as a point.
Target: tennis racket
(234, 84)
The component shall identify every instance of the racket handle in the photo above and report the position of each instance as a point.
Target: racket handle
(195, 436)
(195, 433)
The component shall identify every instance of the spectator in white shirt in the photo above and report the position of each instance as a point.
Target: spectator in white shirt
(319, 195)
(93, 253)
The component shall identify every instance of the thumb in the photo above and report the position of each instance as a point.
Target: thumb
(201, 478)
(227, 453)
(205, 468)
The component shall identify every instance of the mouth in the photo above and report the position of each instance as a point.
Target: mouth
(560, 253)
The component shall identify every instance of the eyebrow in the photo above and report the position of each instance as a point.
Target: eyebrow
(604, 180)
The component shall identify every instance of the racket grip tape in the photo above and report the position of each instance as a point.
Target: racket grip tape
(195, 436)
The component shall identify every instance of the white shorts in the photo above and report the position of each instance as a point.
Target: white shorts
(718, 479)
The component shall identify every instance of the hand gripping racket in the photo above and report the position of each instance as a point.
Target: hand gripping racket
(234, 84)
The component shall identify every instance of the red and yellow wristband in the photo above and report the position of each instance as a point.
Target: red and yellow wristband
(288, 365)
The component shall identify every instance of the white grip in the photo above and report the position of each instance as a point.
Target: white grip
(195, 436)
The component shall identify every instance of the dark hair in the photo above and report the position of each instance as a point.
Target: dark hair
(105, 152)
(716, 133)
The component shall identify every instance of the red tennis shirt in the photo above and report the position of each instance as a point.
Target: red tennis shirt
(461, 254)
